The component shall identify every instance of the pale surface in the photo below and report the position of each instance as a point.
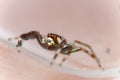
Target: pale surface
(15, 66)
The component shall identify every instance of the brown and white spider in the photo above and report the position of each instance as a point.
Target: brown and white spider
(58, 44)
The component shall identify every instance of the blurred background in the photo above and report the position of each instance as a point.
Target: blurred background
(95, 22)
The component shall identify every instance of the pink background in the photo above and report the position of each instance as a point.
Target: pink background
(92, 21)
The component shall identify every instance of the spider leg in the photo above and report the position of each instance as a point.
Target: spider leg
(91, 54)
(64, 59)
(15, 38)
(19, 44)
(84, 44)
(55, 56)
(66, 55)
(58, 51)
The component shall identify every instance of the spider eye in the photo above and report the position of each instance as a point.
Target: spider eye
(49, 41)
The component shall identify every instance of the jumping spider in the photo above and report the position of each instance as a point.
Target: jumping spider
(57, 43)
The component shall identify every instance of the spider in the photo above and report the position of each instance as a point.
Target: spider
(57, 43)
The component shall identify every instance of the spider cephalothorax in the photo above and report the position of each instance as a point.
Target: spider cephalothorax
(58, 44)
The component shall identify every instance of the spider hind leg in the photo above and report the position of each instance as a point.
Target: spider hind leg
(84, 44)
(91, 54)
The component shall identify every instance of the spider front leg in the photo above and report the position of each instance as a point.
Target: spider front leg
(27, 36)
(91, 54)
(19, 42)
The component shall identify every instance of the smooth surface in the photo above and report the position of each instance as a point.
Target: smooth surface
(17, 66)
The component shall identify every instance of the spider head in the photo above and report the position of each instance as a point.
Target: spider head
(56, 38)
